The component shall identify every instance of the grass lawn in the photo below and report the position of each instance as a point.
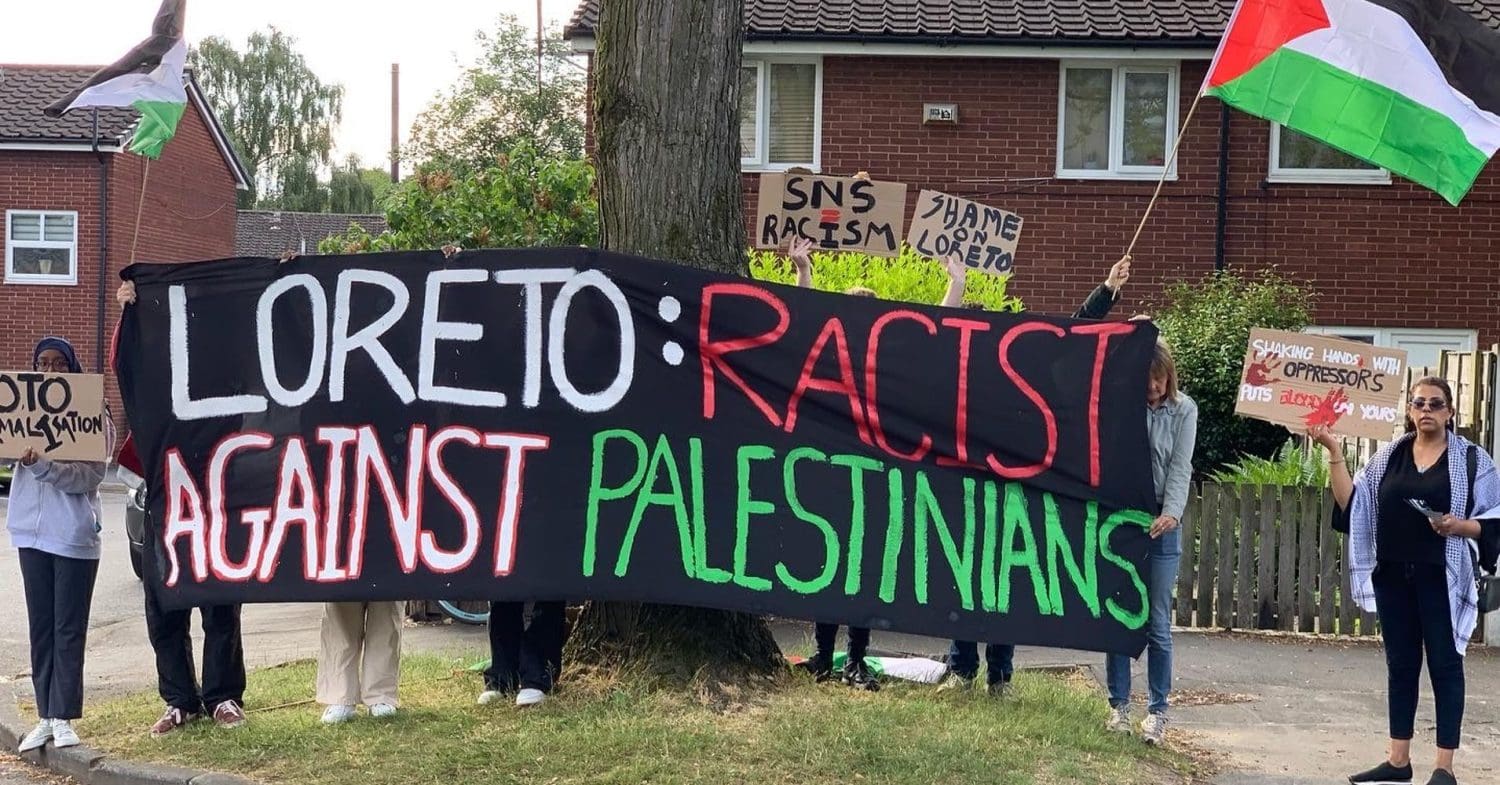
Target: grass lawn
(1047, 730)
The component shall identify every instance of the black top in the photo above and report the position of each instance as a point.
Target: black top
(1098, 304)
(1404, 534)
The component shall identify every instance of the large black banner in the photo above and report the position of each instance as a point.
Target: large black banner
(574, 424)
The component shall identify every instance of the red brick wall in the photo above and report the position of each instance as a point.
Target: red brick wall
(1378, 255)
(189, 214)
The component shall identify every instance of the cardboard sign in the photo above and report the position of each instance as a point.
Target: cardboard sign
(567, 423)
(1300, 380)
(837, 213)
(59, 414)
(985, 237)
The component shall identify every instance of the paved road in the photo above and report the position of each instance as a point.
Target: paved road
(1303, 713)
(14, 771)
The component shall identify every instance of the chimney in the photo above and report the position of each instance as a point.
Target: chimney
(395, 122)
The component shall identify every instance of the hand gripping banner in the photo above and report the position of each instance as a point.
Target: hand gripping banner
(573, 424)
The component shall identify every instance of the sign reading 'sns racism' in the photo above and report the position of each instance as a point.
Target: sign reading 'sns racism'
(984, 237)
(60, 415)
(1300, 380)
(836, 213)
(574, 424)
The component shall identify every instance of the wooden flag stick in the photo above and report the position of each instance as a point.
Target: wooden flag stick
(1171, 159)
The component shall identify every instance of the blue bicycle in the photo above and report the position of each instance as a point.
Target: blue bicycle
(466, 612)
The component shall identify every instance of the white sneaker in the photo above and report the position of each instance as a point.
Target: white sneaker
(1154, 729)
(956, 683)
(530, 697)
(37, 738)
(381, 711)
(333, 715)
(63, 734)
(490, 696)
(1119, 719)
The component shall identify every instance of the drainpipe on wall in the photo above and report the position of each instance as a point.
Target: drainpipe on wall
(1223, 206)
(103, 246)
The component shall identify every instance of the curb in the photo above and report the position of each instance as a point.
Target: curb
(89, 766)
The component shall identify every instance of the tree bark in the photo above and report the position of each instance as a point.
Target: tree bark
(667, 96)
(667, 87)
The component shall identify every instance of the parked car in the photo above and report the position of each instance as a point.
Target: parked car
(135, 517)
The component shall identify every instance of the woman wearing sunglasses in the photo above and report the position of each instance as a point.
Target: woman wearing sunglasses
(1411, 561)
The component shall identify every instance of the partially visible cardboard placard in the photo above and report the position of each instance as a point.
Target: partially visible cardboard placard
(836, 213)
(985, 237)
(1300, 380)
(59, 414)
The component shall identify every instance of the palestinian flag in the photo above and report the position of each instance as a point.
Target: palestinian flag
(1409, 85)
(148, 78)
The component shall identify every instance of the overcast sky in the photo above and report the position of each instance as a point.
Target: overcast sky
(353, 42)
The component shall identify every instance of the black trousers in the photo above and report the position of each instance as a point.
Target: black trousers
(1412, 600)
(59, 592)
(522, 656)
(825, 635)
(223, 655)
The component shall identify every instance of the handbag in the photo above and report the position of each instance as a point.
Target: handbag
(1488, 586)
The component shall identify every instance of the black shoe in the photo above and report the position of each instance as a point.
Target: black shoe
(1442, 777)
(820, 666)
(996, 689)
(857, 675)
(1384, 774)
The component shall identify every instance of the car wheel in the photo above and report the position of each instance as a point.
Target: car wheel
(135, 561)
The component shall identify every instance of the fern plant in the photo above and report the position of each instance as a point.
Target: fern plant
(1292, 465)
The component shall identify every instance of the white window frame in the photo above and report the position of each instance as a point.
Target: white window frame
(1116, 169)
(757, 162)
(34, 279)
(1276, 173)
(1398, 337)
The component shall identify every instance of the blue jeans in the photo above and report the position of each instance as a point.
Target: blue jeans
(1161, 561)
(999, 658)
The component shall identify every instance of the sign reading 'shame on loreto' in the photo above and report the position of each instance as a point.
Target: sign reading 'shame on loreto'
(836, 213)
(573, 424)
(984, 237)
(59, 415)
(1300, 380)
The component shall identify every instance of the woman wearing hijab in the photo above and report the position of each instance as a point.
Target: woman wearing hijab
(53, 519)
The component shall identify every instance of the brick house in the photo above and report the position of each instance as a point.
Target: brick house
(1065, 112)
(70, 206)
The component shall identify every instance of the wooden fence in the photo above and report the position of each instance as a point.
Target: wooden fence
(1266, 558)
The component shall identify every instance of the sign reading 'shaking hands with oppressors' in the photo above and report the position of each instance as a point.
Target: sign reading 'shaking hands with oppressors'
(572, 424)
(1301, 380)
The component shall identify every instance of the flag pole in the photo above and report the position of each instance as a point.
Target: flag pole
(1171, 159)
(140, 207)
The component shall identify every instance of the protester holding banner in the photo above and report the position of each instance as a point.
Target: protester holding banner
(856, 671)
(1172, 429)
(525, 659)
(360, 661)
(1414, 514)
(53, 519)
(222, 693)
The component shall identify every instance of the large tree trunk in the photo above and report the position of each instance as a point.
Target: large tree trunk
(667, 86)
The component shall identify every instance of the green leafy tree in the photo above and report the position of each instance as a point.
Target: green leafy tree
(498, 103)
(1208, 325)
(522, 199)
(355, 189)
(277, 113)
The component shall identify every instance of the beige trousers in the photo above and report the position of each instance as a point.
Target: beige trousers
(360, 661)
